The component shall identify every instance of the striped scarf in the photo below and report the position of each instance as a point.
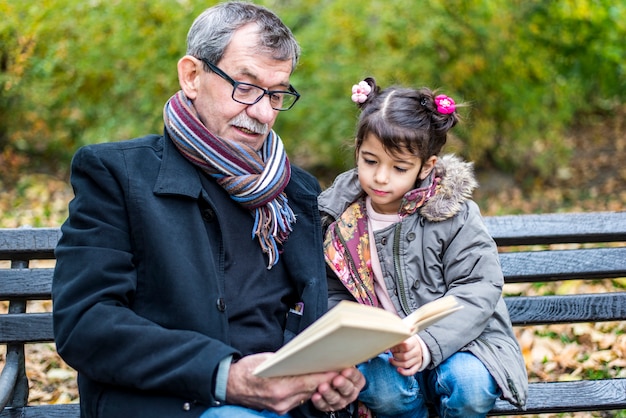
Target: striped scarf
(255, 180)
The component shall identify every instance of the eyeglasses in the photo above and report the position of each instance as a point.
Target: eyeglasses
(249, 94)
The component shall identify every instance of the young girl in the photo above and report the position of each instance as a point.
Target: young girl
(403, 232)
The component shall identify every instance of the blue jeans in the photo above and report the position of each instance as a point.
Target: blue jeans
(233, 411)
(459, 387)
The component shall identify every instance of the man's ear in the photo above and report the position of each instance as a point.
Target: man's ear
(189, 70)
(428, 166)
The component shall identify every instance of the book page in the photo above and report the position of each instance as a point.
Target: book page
(432, 312)
(349, 334)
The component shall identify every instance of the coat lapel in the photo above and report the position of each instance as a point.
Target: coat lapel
(176, 175)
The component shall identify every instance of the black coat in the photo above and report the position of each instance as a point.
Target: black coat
(138, 282)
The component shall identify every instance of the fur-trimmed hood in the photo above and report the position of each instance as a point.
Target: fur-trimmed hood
(457, 185)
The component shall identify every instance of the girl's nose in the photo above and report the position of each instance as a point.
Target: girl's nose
(382, 175)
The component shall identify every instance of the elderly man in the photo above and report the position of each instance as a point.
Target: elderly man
(189, 257)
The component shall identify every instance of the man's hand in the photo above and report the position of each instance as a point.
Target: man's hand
(340, 391)
(329, 391)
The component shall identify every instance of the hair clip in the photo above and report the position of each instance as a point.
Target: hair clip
(360, 92)
(424, 101)
(445, 104)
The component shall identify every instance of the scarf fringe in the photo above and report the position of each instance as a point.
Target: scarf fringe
(276, 218)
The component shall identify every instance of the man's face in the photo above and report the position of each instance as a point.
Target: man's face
(242, 61)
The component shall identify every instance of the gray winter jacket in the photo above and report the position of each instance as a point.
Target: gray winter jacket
(444, 249)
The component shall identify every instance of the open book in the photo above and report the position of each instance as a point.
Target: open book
(349, 334)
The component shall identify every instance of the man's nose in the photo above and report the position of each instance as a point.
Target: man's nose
(262, 111)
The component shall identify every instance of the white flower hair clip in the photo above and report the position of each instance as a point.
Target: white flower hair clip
(360, 92)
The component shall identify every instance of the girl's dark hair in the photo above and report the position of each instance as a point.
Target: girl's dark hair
(404, 120)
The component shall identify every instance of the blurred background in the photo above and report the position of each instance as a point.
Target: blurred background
(545, 125)
(545, 82)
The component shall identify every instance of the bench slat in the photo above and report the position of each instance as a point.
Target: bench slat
(26, 283)
(535, 310)
(26, 327)
(42, 411)
(588, 263)
(555, 228)
(583, 395)
(28, 243)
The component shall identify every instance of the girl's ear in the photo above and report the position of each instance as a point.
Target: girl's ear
(427, 167)
(189, 70)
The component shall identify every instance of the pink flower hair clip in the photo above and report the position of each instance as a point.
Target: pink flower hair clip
(445, 104)
(360, 92)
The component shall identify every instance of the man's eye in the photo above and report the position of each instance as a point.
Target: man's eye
(276, 99)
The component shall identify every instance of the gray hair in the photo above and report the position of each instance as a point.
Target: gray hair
(212, 31)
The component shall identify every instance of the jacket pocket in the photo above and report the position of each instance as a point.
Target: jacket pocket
(292, 325)
(506, 365)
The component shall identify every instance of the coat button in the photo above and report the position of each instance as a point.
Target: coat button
(221, 305)
(186, 406)
(416, 284)
(383, 241)
(410, 236)
(207, 214)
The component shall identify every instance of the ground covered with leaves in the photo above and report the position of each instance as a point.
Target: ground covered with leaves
(595, 181)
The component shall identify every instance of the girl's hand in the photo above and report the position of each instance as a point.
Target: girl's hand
(407, 356)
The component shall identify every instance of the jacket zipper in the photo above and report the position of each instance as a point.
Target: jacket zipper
(404, 303)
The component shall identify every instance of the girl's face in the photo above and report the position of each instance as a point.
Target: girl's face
(386, 177)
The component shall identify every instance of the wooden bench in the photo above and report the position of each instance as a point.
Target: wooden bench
(529, 254)
(535, 255)
(19, 284)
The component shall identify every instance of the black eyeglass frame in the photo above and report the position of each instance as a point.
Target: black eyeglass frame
(292, 91)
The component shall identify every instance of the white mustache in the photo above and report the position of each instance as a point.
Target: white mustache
(243, 121)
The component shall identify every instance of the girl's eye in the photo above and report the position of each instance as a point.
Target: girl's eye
(369, 162)
(401, 170)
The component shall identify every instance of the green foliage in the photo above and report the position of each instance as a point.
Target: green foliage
(593, 374)
(525, 83)
(75, 72)
(82, 72)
